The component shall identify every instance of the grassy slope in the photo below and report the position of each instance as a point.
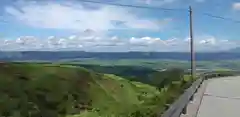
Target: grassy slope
(104, 94)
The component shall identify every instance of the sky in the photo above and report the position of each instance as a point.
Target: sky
(58, 25)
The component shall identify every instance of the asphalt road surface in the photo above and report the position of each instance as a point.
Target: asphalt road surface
(221, 98)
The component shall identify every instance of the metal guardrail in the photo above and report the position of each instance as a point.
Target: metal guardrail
(179, 106)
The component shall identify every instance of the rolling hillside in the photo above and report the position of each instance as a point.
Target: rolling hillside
(57, 91)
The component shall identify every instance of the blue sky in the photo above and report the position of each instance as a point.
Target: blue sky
(76, 25)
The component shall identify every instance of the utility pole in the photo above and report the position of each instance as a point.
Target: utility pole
(192, 45)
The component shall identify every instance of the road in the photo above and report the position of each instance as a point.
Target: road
(221, 98)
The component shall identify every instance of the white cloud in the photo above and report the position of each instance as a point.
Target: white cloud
(209, 40)
(146, 41)
(95, 43)
(236, 6)
(200, 0)
(156, 2)
(150, 2)
(76, 17)
(211, 43)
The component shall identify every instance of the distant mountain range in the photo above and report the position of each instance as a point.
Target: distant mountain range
(75, 55)
(235, 50)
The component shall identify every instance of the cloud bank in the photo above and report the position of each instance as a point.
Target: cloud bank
(75, 16)
(78, 17)
(236, 6)
(114, 44)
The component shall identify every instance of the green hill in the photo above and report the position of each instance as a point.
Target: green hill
(51, 90)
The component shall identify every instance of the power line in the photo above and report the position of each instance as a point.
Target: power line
(132, 6)
(220, 17)
(159, 8)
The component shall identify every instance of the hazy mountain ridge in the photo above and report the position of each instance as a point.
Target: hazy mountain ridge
(71, 55)
(235, 50)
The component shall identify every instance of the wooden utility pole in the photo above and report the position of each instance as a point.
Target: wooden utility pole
(192, 45)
